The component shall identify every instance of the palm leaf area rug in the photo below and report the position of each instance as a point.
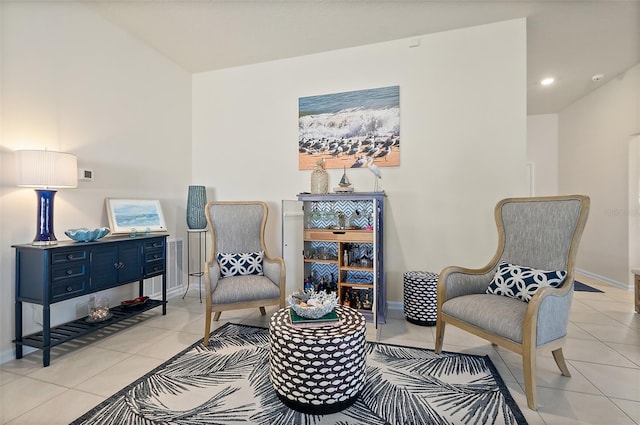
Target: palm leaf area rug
(228, 382)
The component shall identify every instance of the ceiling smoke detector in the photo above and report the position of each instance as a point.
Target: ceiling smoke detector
(597, 77)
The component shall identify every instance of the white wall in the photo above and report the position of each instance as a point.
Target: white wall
(634, 206)
(463, 137)
(75, 83)
(542, 153)
(594, 135)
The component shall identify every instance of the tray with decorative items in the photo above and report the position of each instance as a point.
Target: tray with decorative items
(134, 302)
(313, 308)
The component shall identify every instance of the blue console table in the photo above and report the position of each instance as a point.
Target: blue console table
(49, 274)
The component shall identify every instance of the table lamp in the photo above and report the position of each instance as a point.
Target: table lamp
(46, 170)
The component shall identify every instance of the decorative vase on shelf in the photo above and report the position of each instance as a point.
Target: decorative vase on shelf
(196, 200)
(319, 179)
(366, 303)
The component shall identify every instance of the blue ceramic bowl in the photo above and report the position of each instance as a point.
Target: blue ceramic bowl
(87, 235)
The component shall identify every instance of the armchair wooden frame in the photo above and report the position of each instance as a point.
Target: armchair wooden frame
(212, 271)
(528, 348)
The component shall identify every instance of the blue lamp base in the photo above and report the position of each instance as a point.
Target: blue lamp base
(44, 225)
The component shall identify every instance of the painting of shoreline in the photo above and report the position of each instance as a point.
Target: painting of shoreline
(127, 215)
(350, 129)
(137, 216)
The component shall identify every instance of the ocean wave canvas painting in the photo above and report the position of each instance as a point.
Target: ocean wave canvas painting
(350, 129)
(127, 215)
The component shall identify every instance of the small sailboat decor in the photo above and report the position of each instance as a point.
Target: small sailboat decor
(345, 183)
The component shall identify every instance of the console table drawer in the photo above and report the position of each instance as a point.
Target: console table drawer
(153, 256)
(330, 235)
(66, 256)
(72, 271)
(157, 244)
(67, 289)
(152, 269)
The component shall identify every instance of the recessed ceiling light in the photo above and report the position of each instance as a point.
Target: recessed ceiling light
(547, 81)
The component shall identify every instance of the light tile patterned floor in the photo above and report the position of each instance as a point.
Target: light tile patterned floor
(602, 350)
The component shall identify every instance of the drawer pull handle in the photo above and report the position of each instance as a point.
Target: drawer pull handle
(156, 256)
(155, 269)
(70, 257)
(69, 272)
(338, 233)
(119, 265)
(157, 244)
(69, 288)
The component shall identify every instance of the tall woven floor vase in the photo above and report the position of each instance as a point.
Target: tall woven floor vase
(196, 200)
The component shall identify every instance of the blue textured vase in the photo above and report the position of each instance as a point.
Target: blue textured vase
(196, 200)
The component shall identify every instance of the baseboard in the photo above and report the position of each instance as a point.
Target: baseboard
(606, 280)
(395, 305)
(10, 354)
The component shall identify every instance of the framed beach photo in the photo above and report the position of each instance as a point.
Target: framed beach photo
(135, 215)
(350, 129)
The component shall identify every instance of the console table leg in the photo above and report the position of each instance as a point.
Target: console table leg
(18, 317)
(46, 356)
(46, 335)
(164, 293)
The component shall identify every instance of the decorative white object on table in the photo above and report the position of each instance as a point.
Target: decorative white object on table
(312, 305)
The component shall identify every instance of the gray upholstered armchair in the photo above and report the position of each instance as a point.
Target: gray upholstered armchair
(240, 273)
(537, 243)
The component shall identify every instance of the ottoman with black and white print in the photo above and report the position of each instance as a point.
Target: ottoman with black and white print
(420, 297)
(318, 369)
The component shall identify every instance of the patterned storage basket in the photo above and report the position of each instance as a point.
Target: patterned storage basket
(420, 301)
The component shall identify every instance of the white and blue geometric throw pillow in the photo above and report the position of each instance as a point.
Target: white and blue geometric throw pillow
(240, 264)
(522, 282)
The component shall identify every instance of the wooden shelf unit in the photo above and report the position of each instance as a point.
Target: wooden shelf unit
(363, 236)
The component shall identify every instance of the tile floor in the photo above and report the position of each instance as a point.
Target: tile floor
(603, 353)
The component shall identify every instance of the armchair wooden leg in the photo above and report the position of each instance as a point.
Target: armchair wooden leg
(207, 327)
(529, 370)
(263, 311)
(439, 335)
(558, 356)
(216, 316)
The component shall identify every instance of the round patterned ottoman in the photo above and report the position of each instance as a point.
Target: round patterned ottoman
(420, 298)
(319, 369)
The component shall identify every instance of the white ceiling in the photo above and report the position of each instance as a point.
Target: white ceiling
(571, 40)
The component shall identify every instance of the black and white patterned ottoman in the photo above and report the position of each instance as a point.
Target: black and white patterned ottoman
(420, 298)
(321, 369)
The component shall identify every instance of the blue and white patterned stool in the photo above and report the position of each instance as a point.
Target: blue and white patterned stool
(318, 370)
(420, 298)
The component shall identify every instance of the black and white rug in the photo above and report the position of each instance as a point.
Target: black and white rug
(582, 287)
(228, 383)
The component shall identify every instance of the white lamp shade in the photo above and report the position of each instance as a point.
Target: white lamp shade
(48, 169)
